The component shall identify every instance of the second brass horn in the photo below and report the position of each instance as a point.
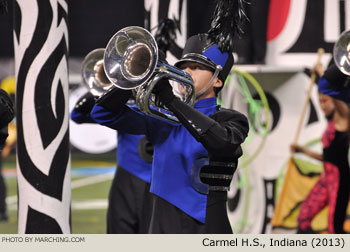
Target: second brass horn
(93, 73)
(341, 52)
(131, 61)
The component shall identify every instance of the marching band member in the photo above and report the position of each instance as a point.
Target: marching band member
(194, 161)
(129, 201)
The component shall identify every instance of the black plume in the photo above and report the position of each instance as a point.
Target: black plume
(227, 21)
(3, 6)
(166, 34)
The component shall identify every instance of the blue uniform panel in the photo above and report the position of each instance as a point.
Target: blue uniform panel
(175, 150)
(127, 150)
(128, 157)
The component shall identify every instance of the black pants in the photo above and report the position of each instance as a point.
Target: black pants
(341, 203)
(168, 219)
(3, 136)
(129, 204)
(2, 190)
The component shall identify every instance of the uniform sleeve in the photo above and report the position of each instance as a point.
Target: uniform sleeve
(126, 120)
(80, 118)
(226, 135)
(81, 111)
(221, 133)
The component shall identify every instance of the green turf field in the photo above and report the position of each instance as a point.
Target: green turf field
(89, 200)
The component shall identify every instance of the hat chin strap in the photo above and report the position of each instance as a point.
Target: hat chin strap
(210, 83)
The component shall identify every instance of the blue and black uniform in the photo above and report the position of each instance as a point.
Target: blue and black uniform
(129, 202)
(193, 162)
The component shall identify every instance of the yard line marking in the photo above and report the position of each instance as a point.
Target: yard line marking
(90, 180)
(11, 200)
(74, 184)
(92, 204)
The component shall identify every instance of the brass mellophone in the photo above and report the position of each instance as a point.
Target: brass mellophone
(131, 61)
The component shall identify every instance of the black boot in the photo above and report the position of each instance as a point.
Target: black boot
(3, 216)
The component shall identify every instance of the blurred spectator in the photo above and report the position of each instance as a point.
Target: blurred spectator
(6, 115)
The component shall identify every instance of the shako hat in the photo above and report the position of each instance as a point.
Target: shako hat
(214, 49)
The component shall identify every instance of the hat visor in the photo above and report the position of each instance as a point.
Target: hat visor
(192, 57)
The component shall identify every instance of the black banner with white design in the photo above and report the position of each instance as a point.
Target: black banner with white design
(41, 54)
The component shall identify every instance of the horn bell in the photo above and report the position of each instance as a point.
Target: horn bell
(341, 52)
(93, 73)
(130, 57)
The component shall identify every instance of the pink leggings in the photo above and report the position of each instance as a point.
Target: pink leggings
(323, 193)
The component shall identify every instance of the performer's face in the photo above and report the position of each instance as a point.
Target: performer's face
(326, 104)
(201, 75)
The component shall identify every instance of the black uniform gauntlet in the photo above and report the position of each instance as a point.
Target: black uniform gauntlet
(85, 104)
(114, 99)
